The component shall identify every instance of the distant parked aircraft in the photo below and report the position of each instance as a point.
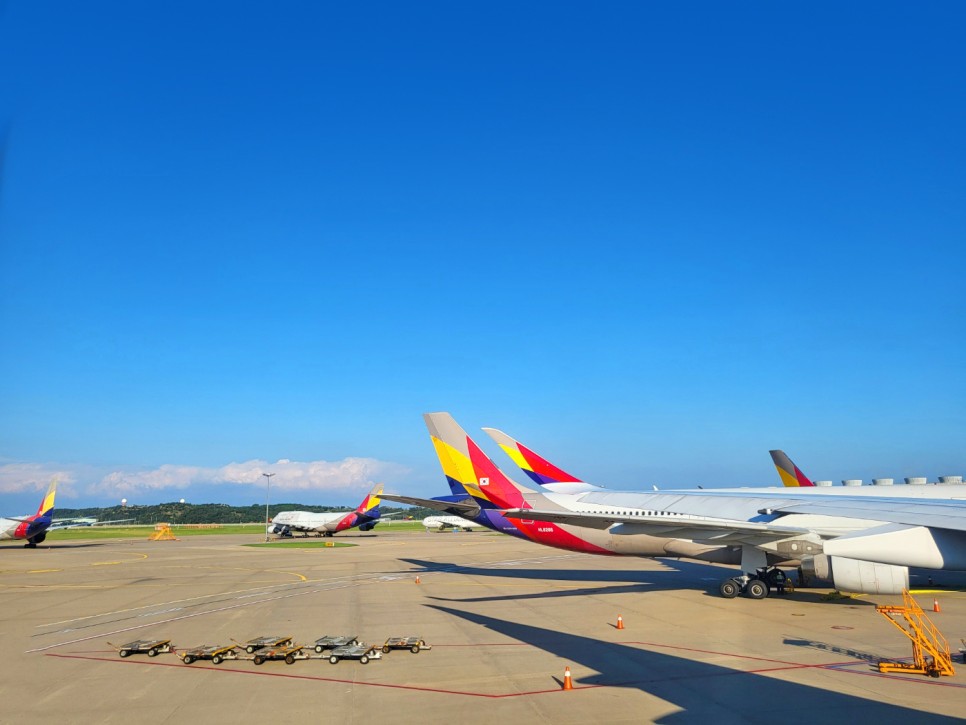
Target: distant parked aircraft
(365, 517)
(442, 523)
(32, 529)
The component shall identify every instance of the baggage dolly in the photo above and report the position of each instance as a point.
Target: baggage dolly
(259, 642)
(413, 644)
(151, 647)
(287, 652)
(331, 641)
(358, 651)
(216, 653)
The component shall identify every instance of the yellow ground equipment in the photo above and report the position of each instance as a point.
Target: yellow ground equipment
(930, 650)
(162, 532)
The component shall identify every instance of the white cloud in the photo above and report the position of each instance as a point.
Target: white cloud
(348, 474)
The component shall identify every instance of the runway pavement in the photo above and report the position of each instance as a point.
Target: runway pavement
(504, 617)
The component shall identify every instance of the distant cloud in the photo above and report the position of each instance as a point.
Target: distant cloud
(345, 475)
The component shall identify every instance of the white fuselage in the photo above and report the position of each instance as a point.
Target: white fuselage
(438, 523)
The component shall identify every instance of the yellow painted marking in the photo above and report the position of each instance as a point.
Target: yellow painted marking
(42, 571)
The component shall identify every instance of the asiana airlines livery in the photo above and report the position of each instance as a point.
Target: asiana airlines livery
(31, 529)
(863, 539)
(365, 517)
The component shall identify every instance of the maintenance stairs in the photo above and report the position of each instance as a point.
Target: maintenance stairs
(930, 650)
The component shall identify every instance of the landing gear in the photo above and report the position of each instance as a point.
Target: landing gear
(756, 589)
(756, 586)
(730, 589)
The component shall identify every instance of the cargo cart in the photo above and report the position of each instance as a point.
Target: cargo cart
(216, 653)
(258, 642)
(288, 652)
(358, 651)
(150, 647)
(331, 641)
(413, 644)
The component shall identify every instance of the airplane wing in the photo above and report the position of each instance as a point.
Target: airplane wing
(939, 514)
(112, 521)
(467, 507)
(722, 531)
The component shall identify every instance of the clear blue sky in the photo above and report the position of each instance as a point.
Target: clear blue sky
(651, 240)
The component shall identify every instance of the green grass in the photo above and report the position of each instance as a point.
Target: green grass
(143, 532)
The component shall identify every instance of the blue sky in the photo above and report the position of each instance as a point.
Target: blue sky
(651, 240)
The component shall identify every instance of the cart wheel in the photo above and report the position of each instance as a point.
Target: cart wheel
(333, 659)
(289, 660)
(385, 649)
(364, 659)
(249, 649)
(153, 652)
(124, 653)
(414, 649)
(729, 589)
(318, 648)
(188, 659)
(258, 659)
(216, 660)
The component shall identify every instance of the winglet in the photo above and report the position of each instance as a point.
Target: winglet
(539, 469)
(790, 474)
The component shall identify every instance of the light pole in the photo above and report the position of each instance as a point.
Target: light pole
(268, 489)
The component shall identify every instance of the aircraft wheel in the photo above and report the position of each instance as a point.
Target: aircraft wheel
(334, 660)
(757, 589)
(364, 659)
(216, 660)
(258, 659)
(729, 589)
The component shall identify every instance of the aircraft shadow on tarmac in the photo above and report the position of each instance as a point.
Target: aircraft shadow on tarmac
(705, 693)
(676, 575)
(812, 644)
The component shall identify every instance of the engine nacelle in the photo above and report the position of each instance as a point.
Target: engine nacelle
(860, 577)
(368, 527)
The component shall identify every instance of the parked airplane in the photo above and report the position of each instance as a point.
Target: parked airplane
(32, 529)
(456, 523)
(366, 516)
(752, 527)
(77, 523)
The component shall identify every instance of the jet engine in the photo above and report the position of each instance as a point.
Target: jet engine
(368, 527)
(860, 577)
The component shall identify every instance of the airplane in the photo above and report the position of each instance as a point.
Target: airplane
(365, 516)
(32, 529)
(80, 522)
(754, 528)
(455, 523)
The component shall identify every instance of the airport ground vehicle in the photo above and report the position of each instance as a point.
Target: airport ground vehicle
(287, 652)
(266, 641)
(358, 651)
(332, 641)
(216, 653)
(413, 644)
(150, 647)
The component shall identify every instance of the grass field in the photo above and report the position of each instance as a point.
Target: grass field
(143, 532)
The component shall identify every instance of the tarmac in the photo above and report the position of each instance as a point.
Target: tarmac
(504, 618)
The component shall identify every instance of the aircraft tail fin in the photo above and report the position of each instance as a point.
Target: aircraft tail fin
(790, 474)
(539, 469)
(47, 504)
(370, 504)
(467, 466)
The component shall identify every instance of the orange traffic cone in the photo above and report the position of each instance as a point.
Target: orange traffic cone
(935, 605)
(417, 578)
(620, 622)
(567, 683)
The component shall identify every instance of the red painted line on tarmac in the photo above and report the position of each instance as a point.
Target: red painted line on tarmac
(312, 678)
